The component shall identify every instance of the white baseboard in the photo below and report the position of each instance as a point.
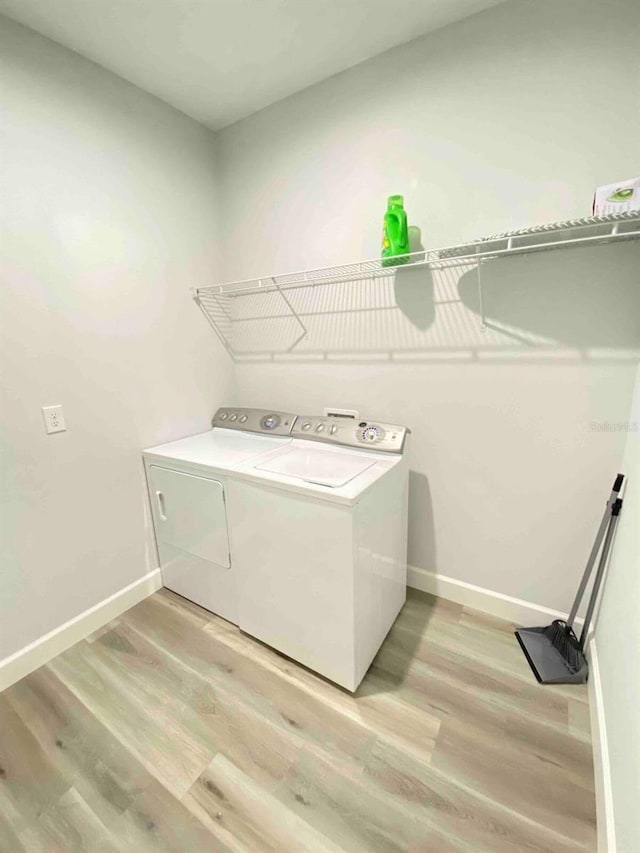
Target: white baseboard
(516, 610)
(36, 654)
(601, 768)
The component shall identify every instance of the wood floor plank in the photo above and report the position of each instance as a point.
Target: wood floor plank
(30, 781)
(516, 764)
(472, 754)
(109, 626)
(474, 676)
(487, 825)
(70, 826)
(9, 841)
(579, 719)
(171, 730)
(285, 743)
(495, 637)
(138, 812)
(346, 804)
(526, 731)
(85, 752)
(261, 821)
(220, 719)
(382, 713)
(140, 710)
(497, 650)
(188, 611)
(225, 666)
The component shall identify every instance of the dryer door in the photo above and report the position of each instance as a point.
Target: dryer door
(189, 513)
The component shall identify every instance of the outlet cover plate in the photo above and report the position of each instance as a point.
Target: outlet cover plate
(53, 419)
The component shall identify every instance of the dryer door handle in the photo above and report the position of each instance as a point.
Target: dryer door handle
(161, 508)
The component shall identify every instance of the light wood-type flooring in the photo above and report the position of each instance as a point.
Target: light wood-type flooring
(170, 730)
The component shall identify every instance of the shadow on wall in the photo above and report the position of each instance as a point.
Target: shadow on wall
(415, 297)
(422, 537)
(413, 288)
(580, 299)
(583, 303)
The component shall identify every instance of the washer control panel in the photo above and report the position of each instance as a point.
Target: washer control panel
(371, 434)
(254, 420)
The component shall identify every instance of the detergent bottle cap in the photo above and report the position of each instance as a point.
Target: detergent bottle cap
(395, 201)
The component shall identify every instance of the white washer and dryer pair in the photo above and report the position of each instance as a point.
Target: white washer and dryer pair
(292, 527)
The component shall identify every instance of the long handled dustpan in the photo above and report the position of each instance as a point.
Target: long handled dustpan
(555, 654)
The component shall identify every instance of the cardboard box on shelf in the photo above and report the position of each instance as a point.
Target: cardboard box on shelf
(617, 198)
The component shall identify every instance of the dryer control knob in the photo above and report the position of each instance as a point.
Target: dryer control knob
(233, 417)
(224, 416)
(306, 426)
(320, 428)
(243, 419)
(333, 429)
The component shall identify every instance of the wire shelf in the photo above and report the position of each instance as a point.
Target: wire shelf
(264, 315)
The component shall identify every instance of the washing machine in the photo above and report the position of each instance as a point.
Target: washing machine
(292, 527)
(188, 483)
(319, 533)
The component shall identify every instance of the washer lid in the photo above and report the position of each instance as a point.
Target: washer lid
(318, 466)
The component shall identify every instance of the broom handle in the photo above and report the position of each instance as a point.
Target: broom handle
(592, 558)
(615, 512)
(594, 551)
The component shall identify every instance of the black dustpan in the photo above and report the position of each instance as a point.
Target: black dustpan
(548, 663)
(554, 653)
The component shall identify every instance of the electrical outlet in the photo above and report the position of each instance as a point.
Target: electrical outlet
(53, 419)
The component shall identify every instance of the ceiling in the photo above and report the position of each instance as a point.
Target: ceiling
(221, 60)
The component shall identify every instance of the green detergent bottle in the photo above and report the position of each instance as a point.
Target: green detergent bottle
(395, 233)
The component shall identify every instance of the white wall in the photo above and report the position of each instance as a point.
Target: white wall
(507, 119)
(109, 218)
(617, 638)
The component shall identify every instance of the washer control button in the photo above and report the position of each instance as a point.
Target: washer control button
(233, 417)
(306, 425)
(243, 419)
(270, 422)
(371, 433)
(223, 416)
(320, 428)
(333, 429)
